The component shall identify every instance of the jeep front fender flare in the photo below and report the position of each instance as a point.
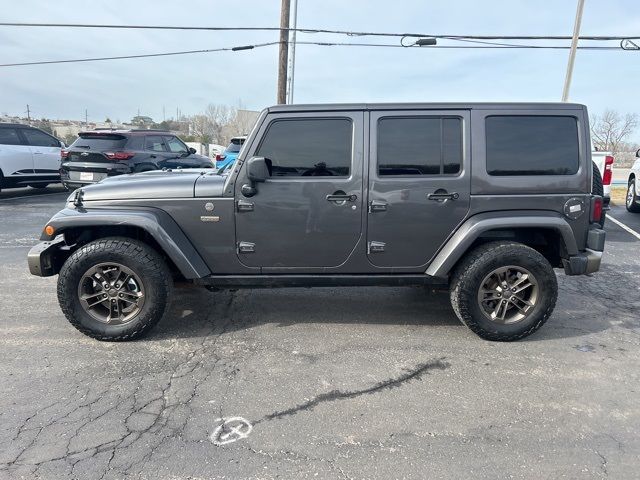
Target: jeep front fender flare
(470, 230)
(155, 222)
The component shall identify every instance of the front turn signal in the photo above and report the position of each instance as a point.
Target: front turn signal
(49, 230)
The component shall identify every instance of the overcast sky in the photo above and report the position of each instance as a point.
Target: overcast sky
(117, 89)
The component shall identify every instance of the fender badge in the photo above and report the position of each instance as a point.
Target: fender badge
(209, 218)
(209, 206)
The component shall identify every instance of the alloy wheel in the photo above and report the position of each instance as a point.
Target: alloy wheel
(508, 294)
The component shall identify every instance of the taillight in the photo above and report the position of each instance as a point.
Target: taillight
(64, 154)
(596, 209)
(119, 155)
(608, 172)
(220, 157)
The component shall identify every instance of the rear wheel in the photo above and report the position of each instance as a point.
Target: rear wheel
(504, 291)
(114, 289)
(39, 185)
(597, 188)
(632, 199)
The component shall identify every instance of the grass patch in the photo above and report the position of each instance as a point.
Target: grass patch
(618, 195)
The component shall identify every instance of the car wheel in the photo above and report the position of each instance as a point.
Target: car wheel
(114, 289)
(39, 185)
(503, 291)
(632, 199)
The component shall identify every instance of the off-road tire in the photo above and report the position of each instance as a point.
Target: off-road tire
(477, 264)
(597, 188)
(137, 256)
(632, 207)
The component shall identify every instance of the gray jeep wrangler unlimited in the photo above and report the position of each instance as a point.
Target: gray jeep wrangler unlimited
(486, 199)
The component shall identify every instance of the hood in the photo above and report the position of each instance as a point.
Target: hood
(157, 184)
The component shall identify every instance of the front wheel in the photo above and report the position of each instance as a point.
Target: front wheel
(632, 199)
(114, 289)
(503, 291)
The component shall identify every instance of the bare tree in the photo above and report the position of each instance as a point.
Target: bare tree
(610, 130)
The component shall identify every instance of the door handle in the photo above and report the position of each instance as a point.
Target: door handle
(440, 196)
(339, 197)
(37, 153)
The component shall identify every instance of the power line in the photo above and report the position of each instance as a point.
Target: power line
(320, 30)
(485, 45)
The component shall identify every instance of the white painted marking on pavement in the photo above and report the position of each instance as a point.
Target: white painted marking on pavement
(624, 227)
(230, 430)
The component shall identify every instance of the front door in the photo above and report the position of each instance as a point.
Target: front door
(308, 213)
(419, 184)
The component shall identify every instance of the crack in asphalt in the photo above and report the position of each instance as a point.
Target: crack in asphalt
(334, 395)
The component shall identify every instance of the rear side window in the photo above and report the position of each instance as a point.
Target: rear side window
(154, 142)
(308, 148)
(419, 146)
(532, 145)
(36, 138)
(100, 143)
(9, 136)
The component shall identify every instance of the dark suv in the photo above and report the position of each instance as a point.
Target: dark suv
(96, 155)
(486, 199)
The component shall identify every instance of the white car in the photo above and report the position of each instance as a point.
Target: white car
(28, 157)
(633, 199)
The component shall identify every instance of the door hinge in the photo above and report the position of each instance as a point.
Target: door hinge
(375, 247)
(246, 247)
(377, 206)
(244, 206)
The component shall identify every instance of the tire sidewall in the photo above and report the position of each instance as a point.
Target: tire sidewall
(547, 292)
(91, 255)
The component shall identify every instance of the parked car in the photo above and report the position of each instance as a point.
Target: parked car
(28, 157)
(315, 202)
(633, 187)
(231, 152)
(96, 155)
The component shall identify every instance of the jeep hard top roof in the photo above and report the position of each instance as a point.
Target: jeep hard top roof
(427, 106)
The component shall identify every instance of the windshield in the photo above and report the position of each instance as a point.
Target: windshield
(99, 142)
(235, 145)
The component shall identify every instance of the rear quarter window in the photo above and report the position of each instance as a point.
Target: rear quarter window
(532, 145)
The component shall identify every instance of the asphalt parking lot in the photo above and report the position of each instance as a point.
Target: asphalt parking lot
(322, 383)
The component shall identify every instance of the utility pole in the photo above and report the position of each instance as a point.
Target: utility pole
(572, 52)
(28, 114)
(283, 55)
(292, 57)
(86, 118)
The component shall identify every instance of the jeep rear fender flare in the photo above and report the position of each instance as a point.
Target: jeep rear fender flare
(157, 223)
(474, 227)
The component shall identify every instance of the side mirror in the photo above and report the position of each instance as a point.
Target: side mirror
(257, 171)
(192, 150)
(638, 153)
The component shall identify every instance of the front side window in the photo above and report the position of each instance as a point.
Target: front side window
(154, 142)
(36, 138)
(9, 136)
(419, 146)
(532, 145)
(308, 147)
(175, 145)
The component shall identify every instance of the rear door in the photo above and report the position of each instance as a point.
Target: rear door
(15, 156)
(419, 184)
(46, 151)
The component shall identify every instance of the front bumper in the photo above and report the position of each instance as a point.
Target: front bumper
(46, 258)
(589, 260)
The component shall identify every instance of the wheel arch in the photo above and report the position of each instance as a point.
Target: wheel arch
(153, 226)
(544, 231)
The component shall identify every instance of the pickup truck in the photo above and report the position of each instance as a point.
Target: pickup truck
(604, 162)
(485, 199)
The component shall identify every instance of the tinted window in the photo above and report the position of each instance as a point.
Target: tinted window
(532, 145)
(419, 146)
(9, 136)
(154, 142)
(235, 145)
(36, 138)
(99, 142)
(175, 145)
(308, 148)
